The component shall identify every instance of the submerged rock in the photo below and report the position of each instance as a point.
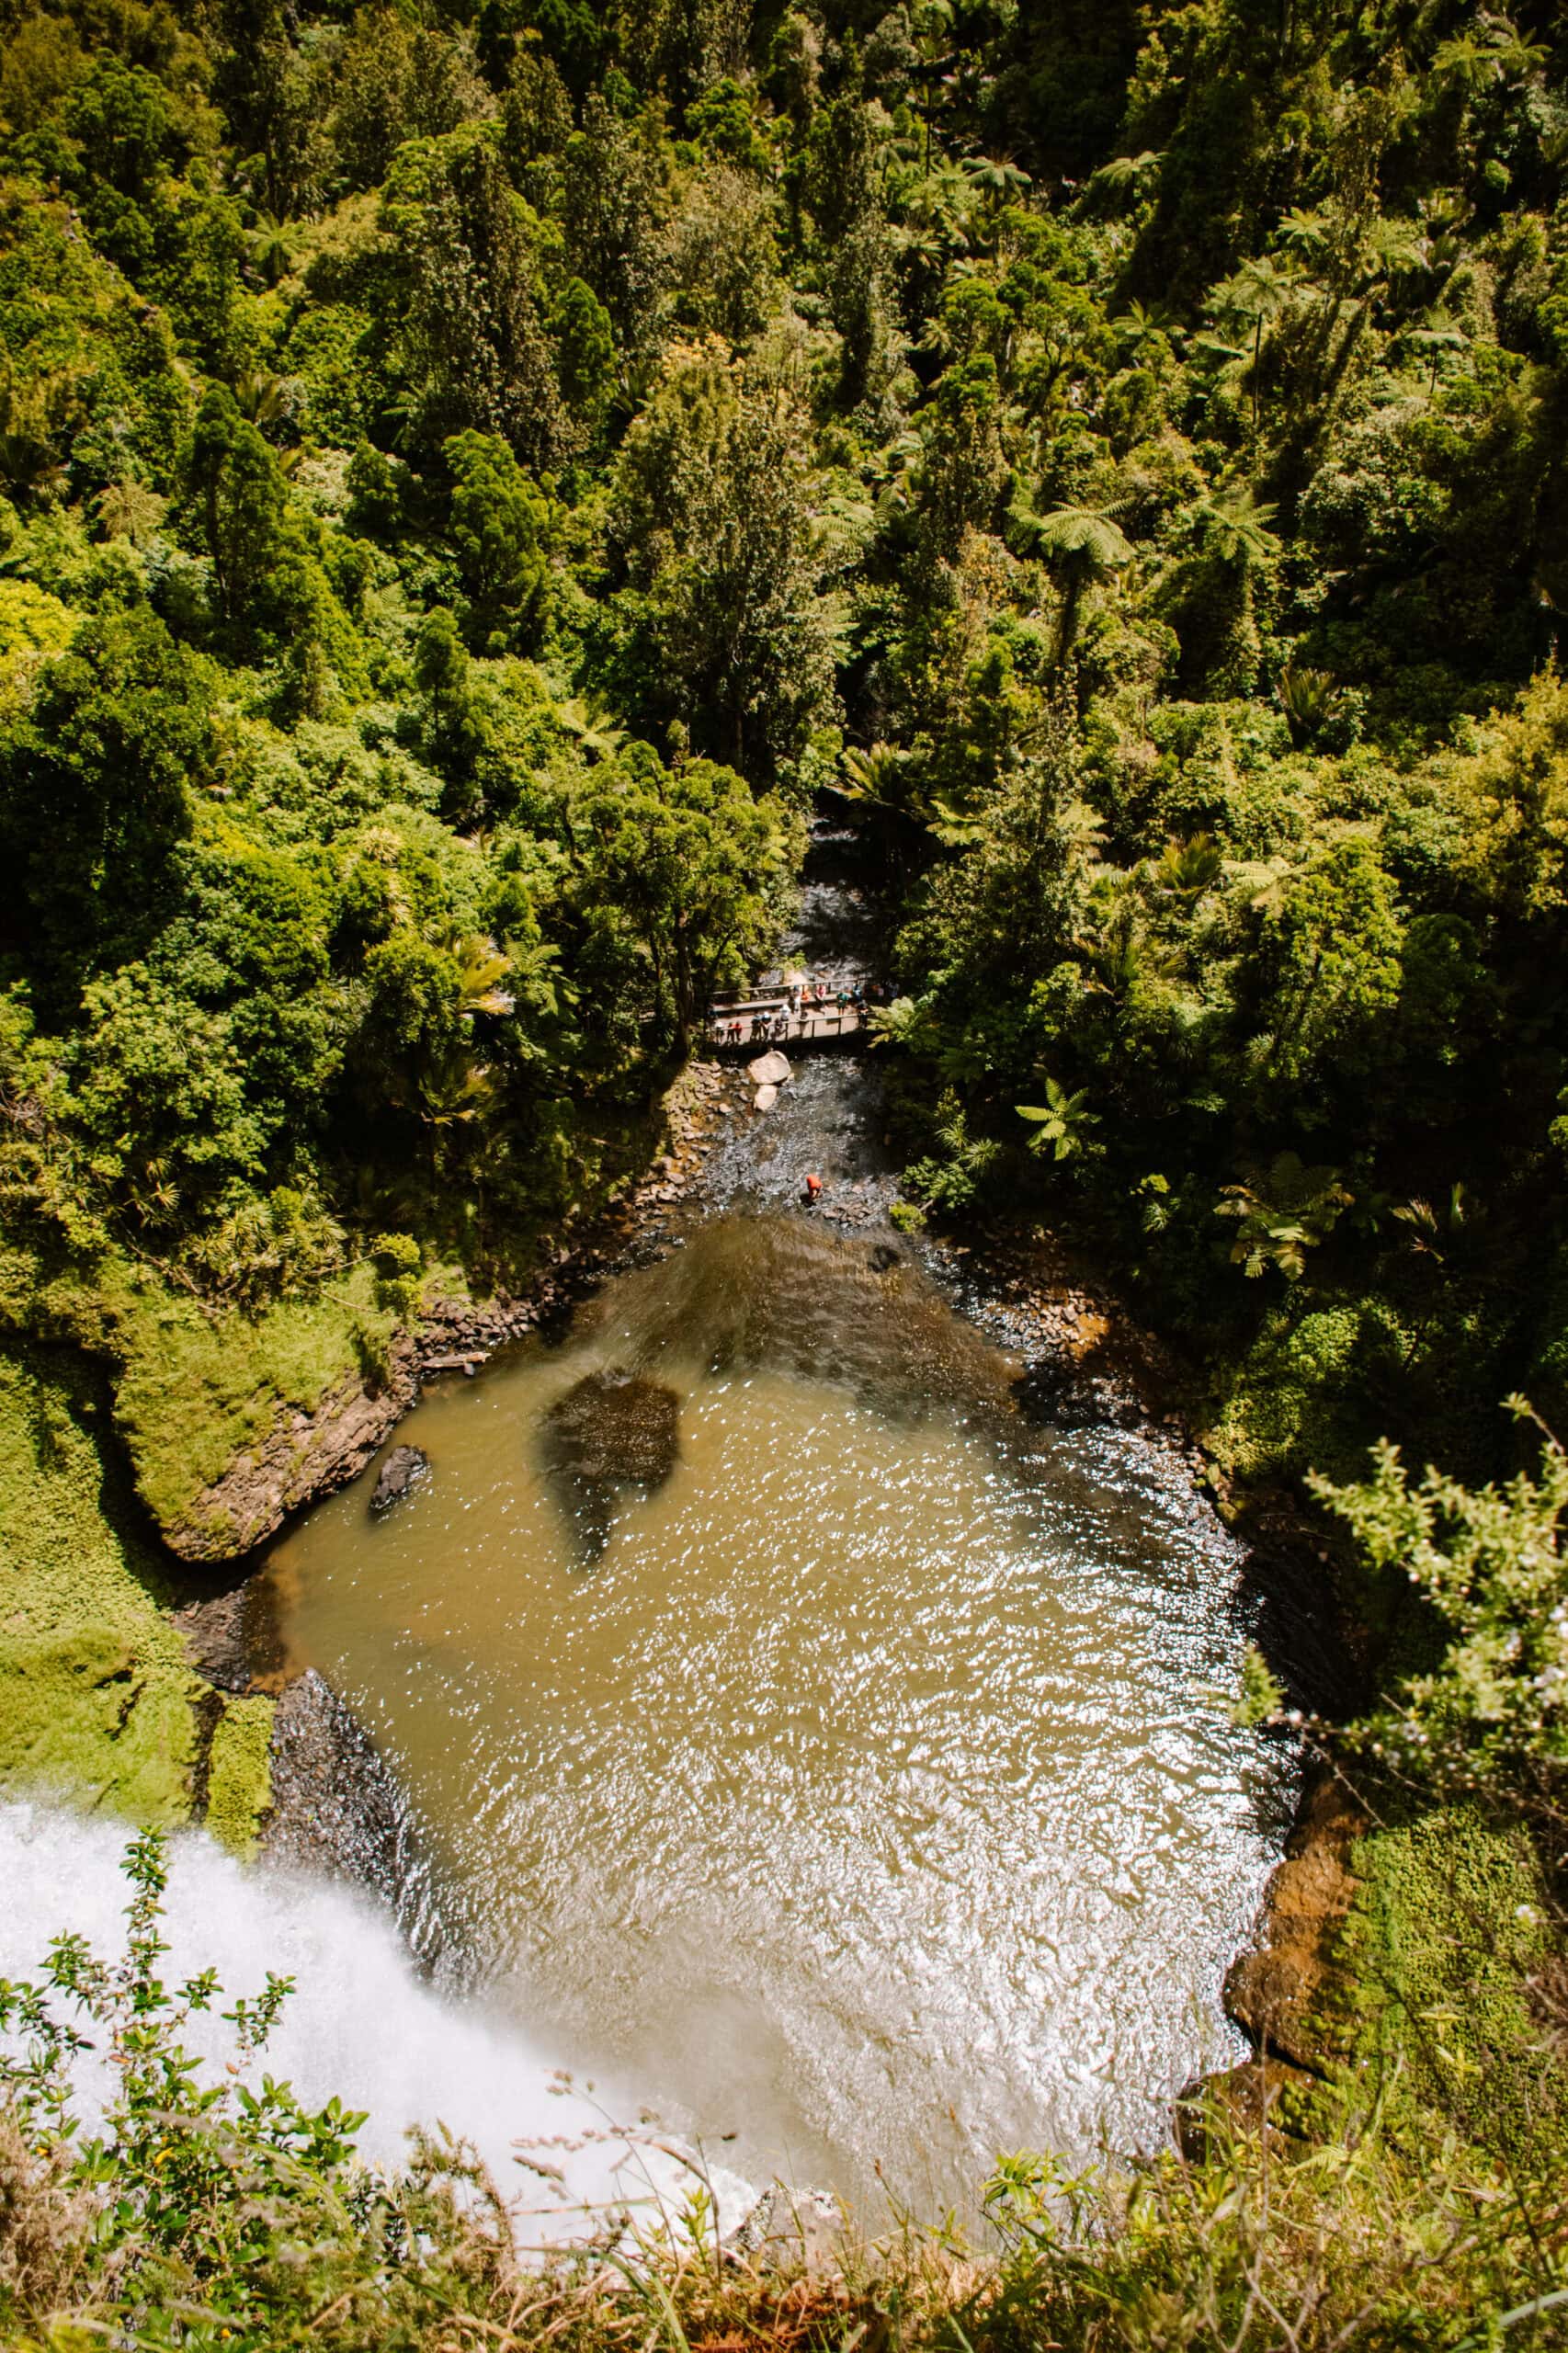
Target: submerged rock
(406, 1467)
(793, 1294)
(611, 1431)
(614, 1426)
(883, 1257)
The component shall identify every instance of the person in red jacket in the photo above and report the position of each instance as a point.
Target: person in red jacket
(814, 1187)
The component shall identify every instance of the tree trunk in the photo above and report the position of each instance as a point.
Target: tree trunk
(1067, 629)
(682, 995)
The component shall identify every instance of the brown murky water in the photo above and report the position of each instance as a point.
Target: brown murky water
(865, 1788)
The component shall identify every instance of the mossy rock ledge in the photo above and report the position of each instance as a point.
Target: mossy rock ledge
(101, 1700)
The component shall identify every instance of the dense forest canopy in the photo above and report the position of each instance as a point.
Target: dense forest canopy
(474, 482)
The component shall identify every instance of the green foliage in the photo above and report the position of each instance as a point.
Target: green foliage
(1261, 1700)
(239, 1788)
(1061, 1121)
(693, 865)
(94, 786)
(1362, 2244)
(499, 523)
(236, 504)
(1303, 1394)
(586, 341)
(1081, 548)
(1329, 958)
(1489, 1564)
(209, 2206)
(1449, 1931)
(1282, 1216)
(200, 1387)
(1120, 452)
(398, 1259)
(955, 1175)
(721, 627)
(97, 1698)
(174, 2148)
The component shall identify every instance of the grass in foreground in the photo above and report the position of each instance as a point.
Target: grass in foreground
(220, 2212)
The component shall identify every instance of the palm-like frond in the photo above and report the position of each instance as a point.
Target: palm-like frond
(481, 967)
(1122, 178)
(872, 775)
(1083, 531)
(1233, 525)
(1060, 1122)
(593, 729)
(1283, 1214)
(1309, 697)
(1188, 868)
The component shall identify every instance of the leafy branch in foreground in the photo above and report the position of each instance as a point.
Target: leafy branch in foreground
(201, 2212)
(1489, 1562)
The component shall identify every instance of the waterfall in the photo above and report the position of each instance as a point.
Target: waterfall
(361, 2023)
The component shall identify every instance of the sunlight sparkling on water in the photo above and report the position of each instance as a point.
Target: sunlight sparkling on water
(871, 1797)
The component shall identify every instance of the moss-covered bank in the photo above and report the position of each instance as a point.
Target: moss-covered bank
(96, 1693)
(151, 1428)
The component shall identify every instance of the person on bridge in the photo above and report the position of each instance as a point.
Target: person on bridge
(814, 1187)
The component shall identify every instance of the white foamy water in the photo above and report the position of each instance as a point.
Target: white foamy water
(360, 2025)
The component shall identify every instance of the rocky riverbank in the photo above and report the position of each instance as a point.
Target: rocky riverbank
(308, 1455)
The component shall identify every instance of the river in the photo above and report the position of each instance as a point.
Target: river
(807, 1745)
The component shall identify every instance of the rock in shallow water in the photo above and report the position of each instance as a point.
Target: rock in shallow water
(768, 1070)
(610, 1431)
(406, 1467)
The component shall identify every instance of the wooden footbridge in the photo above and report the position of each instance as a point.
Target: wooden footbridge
(768, 1019)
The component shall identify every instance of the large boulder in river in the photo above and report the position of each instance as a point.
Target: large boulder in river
(611, 1431)
(768, 1070)
(406, 1468)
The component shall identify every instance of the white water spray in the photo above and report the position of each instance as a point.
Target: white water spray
(359, 2024)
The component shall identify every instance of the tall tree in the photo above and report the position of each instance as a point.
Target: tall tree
(95, 791)
(473, 348)
(235, 502)
(721, 624)
(695, 865)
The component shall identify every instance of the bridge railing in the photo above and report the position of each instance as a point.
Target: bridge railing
(761, 1025)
